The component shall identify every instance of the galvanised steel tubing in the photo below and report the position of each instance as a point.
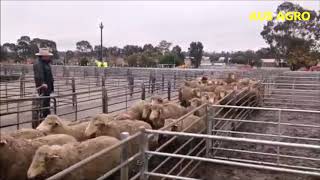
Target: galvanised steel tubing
(189, 153)
(268, 109)
(63, 173)
(268, 122)
(194, 168)
(247, 140)
(175, 152)
(231, 109)
(270, 135)
(267, 163)
(255, 166)
(243, 111)
(169, 176)
(217, 131)
(190, 162)
(296, 100)
(115, 169)
(267, 154)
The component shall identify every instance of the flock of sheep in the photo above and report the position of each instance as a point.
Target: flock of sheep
(57, 144)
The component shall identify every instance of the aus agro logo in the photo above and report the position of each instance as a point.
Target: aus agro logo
(281, 16)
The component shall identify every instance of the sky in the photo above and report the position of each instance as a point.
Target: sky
(219, 25)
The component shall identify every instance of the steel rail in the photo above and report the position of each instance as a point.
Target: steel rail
(226, 162)
(248, 140)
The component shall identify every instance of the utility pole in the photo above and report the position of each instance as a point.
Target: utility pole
(101, 27)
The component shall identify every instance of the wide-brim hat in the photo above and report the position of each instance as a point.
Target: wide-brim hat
(44, 52)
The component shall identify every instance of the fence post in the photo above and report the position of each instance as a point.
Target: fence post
(174, 80)
(131, 84)
(103, 81)
(124, 156)
(153, 83)
(73, 86)
(169, 90)
(22, 85)
(143, 91)
(209, 132)
(143, 148)
(104, 100)
(162, 82)
(35, 112)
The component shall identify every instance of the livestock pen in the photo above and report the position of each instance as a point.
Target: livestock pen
(272, 135)
(242, 140)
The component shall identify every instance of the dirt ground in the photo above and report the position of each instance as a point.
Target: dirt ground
(210, 171)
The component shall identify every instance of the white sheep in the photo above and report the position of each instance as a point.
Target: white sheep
(16, 154)
(49, 160)
(52, 124)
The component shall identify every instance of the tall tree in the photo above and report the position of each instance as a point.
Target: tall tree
(84, 46)
(148, 48)
(284, 37)
(69, 56)
(196, 51)
(131, 49)
(164, 46)
(23, 48)
(11, 50)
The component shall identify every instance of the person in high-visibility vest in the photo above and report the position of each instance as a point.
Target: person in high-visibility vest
(101, 64)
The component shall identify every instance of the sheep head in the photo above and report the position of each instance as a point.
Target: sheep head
(99, 122)
(156, 100)
(50, 124)
(43, 159)
(146, 111)
(196, 92)
(195, 102)
(156, 116)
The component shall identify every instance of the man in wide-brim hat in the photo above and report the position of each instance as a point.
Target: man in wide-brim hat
(43, 79)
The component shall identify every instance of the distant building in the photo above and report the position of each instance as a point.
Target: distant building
(187, 60)
(205, 61)
(269, 62)
(220, 62)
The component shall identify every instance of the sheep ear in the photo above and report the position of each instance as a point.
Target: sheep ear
(3, 142)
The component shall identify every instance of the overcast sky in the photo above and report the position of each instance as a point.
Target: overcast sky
(219, 25)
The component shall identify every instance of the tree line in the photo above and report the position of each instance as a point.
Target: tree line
(295, 42)
(85, 54)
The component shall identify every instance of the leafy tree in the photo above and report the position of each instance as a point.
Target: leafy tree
(113, 51)
(284, 37)
(196, 51)
(11, 50)
(3, 53)
(83, 61)
(84, 47)
(265, 53)
(84, 51)
(148, 48)
(131, 49)
(69, 56)
(132, 59)
(164, 46)
(171, 58)
(23, 48)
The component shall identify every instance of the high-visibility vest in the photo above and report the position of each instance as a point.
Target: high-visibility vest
(98, 63)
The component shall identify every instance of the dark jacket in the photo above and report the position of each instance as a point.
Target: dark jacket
(43, 75)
